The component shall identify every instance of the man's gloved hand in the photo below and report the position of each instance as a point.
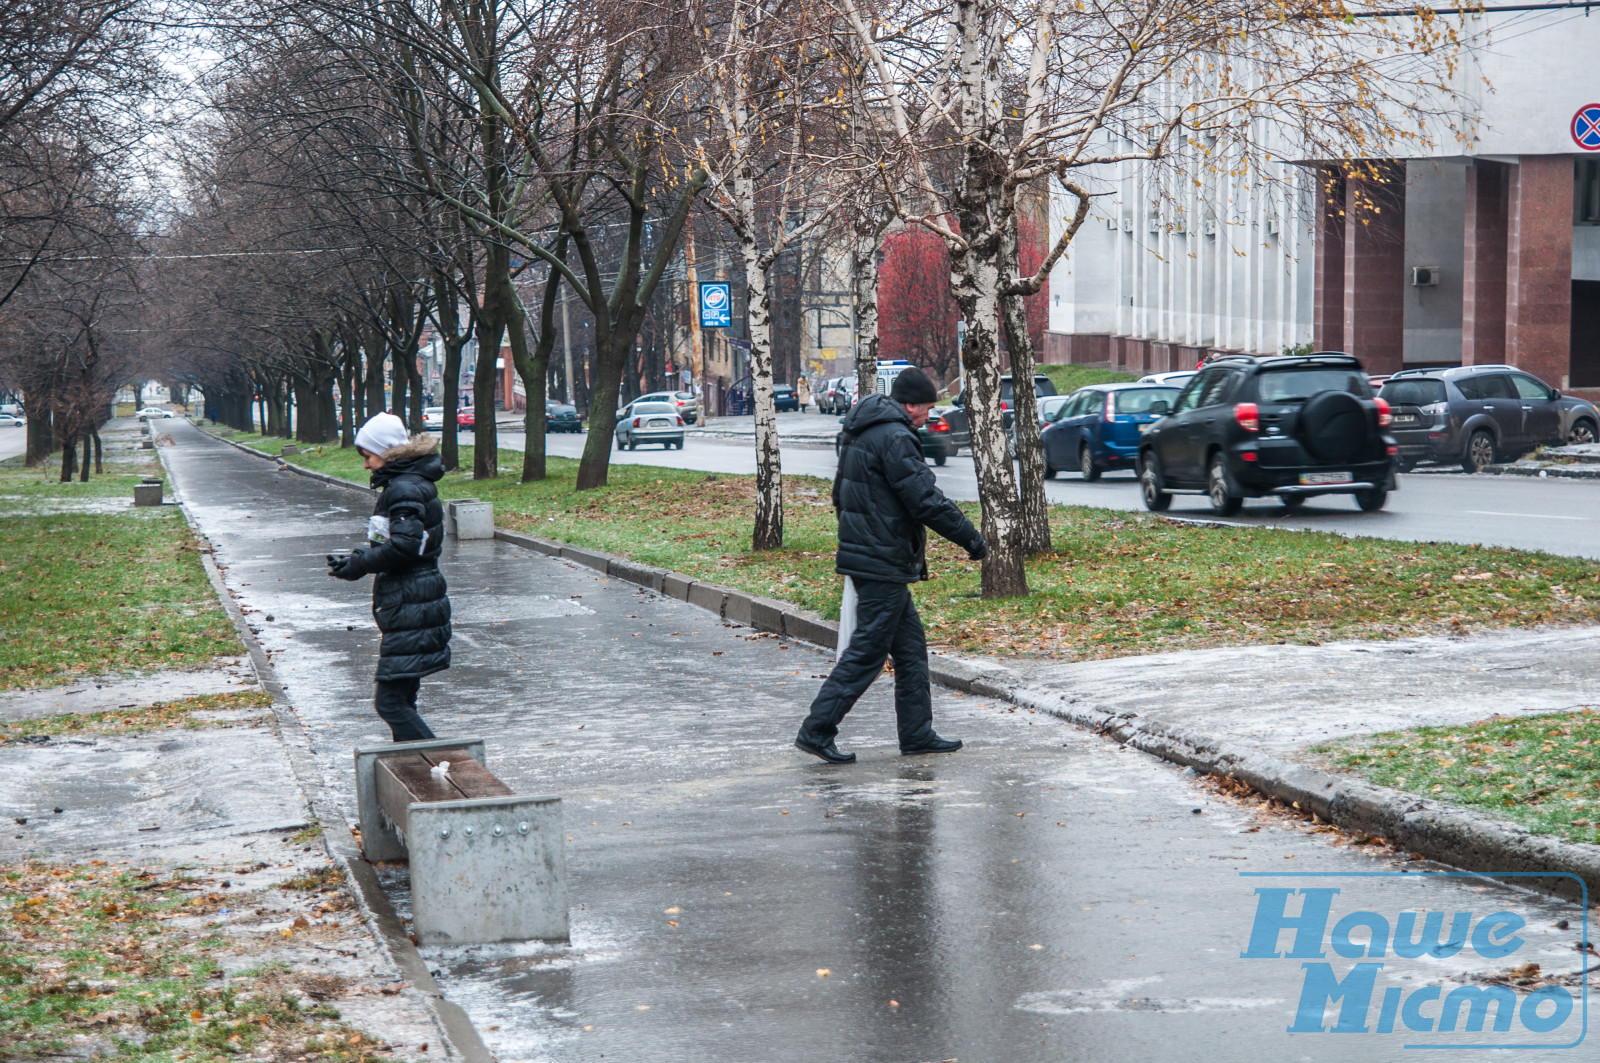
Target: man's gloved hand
(978, 551)
(343, 567)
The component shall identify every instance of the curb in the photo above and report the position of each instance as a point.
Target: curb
(1439, 832)
(1554, 472)
(460, 1037)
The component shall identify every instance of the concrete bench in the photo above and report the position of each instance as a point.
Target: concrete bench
(486, 864)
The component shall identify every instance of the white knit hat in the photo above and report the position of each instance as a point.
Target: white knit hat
(383, 432)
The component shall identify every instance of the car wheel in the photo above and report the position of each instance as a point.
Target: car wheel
(1292, 501)
(1086, 464)
(1372, 499)
(1582, 432)
(1049, 470)
(1156, 498)
(1223, 503)
(620, 444)
(1480, 451)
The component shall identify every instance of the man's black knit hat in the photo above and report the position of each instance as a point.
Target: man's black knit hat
(913, 386)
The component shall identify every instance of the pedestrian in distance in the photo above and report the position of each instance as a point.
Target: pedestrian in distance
(885, 496)
(410, 601)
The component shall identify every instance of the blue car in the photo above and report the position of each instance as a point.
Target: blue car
(1098, 428)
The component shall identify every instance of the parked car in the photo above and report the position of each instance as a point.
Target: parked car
(12, 420)
(1289, 426)
(433, 418)
(649, 422)
(785, 397)
(153, 412)
(1171, 380)
(933, 435)
(465, 418)
(1098, 428)
(1477, 414)
(682, 401)
(837, 395)
(1049, 406)
(961, 431)
(559, 417)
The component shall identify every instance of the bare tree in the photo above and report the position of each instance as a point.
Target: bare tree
(1011, 92)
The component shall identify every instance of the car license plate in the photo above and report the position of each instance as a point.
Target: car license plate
(1405, 418)
(1325, 478)
(658, 423)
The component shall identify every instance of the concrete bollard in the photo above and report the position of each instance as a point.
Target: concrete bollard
(146, 444)
(147, 493)
(289, 448)
(468, 518)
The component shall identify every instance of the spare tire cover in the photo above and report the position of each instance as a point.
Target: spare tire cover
(1334, 426)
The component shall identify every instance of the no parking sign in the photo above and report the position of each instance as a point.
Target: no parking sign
(1586, 127)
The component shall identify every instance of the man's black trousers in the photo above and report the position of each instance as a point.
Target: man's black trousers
(887, 625)
(396, 702)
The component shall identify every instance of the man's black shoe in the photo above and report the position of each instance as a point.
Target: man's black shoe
(828, 752)
(934, 745)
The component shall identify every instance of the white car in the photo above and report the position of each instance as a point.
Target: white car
(433, 417)
(11, 420)
(1169, 380)
(153, 412)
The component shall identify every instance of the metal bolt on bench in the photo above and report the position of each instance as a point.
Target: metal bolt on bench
(486, 864)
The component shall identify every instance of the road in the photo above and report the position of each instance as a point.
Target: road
(1041, 895)
(13, 441)
(1558, 516)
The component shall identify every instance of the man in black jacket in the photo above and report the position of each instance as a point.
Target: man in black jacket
(885, 496)
(410, 601)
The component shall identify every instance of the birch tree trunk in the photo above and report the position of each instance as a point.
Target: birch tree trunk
(868, 237)
(1033, 510)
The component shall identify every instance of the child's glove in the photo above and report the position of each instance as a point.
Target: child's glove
(344, 567)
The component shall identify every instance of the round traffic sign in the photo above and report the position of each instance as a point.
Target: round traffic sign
(1586, 127)
(715, 296)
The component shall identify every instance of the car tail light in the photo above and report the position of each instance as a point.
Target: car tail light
(1385, 418)
(680, 422)
(1393, 451)
(1248, 414)
(636, 422)
(1248, 455)
(1004, 405)
(938, 426)
(1111, 405)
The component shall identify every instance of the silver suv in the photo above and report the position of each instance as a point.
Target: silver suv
(1477, 414)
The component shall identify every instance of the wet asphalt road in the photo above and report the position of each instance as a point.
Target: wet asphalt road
(1041, 895)
(1558, 516)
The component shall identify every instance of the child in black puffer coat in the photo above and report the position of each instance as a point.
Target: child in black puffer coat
(409, 598)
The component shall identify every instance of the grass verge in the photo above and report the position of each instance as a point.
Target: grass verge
(1117, 584)
(122, 964)
(89, 585)
(1541, 772)
(1069, 378)
(188, 713)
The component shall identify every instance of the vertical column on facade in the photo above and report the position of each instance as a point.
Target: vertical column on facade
(1539, 267)
(1374, 265)
(1327, 302)
(1483, 266)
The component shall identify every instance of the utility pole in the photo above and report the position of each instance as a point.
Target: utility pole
(566, 349)
(696, 351)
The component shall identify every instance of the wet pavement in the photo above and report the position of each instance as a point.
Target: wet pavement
(1041, 895)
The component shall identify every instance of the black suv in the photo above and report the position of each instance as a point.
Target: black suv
(1293, 427)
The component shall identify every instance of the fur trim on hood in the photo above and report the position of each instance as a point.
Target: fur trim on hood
(417, 447)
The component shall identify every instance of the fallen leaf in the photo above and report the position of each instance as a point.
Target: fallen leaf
(823, 972)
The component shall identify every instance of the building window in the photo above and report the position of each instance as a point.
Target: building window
(1586, 201)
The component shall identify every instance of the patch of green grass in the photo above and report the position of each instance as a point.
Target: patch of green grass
(1069, 378)
(1116, 584)
(161, 716)
(94, 588)
(86, 950)
(1542, 772)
